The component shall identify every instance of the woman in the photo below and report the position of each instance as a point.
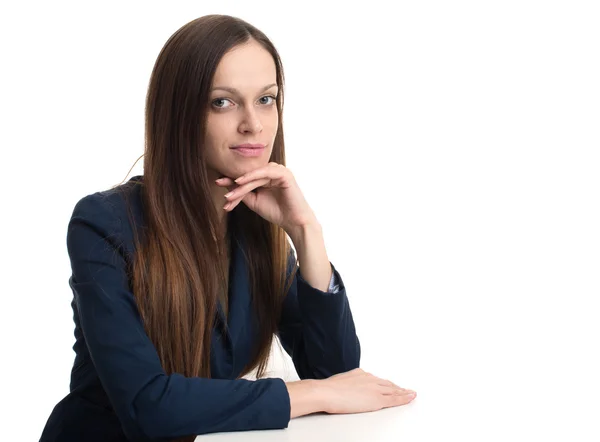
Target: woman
(164, 335)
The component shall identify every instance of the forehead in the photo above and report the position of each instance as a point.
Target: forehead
(248, 66)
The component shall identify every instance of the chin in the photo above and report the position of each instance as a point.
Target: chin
(236, 171)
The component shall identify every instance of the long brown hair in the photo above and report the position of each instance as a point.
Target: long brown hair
(177, 270)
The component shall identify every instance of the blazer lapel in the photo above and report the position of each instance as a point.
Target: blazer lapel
(229, 352)
(239, 292)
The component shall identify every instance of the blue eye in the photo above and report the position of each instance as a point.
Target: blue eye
(219, 100)
(271, 97)
(220, 103)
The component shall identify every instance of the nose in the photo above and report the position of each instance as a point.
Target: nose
(251, 123)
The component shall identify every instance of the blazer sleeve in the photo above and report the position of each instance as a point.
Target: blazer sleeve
(317, 329)
(148, 402)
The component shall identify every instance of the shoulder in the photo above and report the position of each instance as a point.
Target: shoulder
(117, 199)
(111, 211)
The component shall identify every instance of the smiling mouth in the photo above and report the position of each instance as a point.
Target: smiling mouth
(249, 146)
(249, 151)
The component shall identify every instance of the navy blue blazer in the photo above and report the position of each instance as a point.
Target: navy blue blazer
(119, 390)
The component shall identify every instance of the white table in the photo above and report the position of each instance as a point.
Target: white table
(386, 425)
(389, 424)
(464, 393)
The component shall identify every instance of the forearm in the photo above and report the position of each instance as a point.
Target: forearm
(312, 256)
(305, 397)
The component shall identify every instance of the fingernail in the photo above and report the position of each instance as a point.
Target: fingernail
(227, 195)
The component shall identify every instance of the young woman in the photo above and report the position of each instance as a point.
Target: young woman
(183, 276)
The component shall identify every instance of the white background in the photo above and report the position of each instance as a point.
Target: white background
(449, 149)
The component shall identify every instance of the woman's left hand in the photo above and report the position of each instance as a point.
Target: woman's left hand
(277, 198)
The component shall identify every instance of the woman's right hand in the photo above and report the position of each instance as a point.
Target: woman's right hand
(357, 391)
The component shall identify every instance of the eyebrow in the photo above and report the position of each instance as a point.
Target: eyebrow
(235, 91)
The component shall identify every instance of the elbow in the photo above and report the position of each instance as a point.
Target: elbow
(354, 359)
(351, 357)
(153, 416)
(346, 359)
(154, 424)
(161, 422)
(351, 351)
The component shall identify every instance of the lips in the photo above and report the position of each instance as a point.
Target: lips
(249, 146)
(249, 150)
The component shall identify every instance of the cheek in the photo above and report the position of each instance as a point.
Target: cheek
(216, 132)
(271, 122)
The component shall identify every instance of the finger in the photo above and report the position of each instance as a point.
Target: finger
(384, 382)
(249, 199)
(408, 390)
(224, 181)
(241, 191)
(395, 400)
(272, 170)
(392, 389)
(388, 390)
(230, 205)
(388, 383)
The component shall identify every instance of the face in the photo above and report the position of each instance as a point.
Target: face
(242, 110)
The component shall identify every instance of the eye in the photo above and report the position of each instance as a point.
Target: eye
(268, 102)
(219, 103)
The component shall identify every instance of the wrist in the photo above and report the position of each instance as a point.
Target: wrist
(306, 397)
(299, 234)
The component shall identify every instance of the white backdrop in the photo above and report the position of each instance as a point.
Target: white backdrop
(449, 149)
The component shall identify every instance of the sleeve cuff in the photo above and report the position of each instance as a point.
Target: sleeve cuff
(335, 283)
(282, 407)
